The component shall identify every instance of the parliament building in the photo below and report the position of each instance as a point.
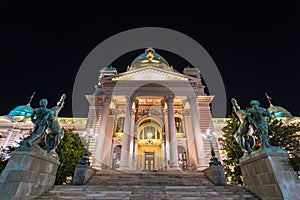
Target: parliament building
(148, 118)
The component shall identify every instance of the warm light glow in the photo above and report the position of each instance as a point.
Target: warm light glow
(207, 132)
(91, 133)
(180, 135)
(149, 135)
(119, 134)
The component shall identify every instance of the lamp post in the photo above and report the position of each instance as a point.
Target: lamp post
(213, 160)
(85, 159)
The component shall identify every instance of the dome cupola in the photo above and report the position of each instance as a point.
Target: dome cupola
(150, 58)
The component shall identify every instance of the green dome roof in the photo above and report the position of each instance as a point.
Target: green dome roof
(24, 110)
(279, 111)
(150, 58)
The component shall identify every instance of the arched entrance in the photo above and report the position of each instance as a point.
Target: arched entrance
(149, 142)
(116, 157)
(182, 158)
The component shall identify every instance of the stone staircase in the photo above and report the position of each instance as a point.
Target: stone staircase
(148, 185)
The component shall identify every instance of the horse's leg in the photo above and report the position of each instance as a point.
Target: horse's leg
(55, 128)
(34, 142)
(264, 139)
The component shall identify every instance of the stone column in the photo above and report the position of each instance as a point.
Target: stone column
(200, 151)
(172, 134)
(192, 155)
(98, 155)
(135, 137)
(167, 137)
(132, 148)
(125, 152)
(107, 151)
(164, 161)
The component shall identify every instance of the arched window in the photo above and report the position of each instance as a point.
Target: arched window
(149, 132)
(120, 125)
(182, 157)
(178, 125)
(116, 157)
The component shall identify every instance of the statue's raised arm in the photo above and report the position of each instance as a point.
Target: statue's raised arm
(243, 135)
(56, 133)
(59, 105)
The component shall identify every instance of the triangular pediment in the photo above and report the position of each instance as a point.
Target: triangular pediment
(150, 73)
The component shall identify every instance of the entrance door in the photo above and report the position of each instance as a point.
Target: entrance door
(149, 161)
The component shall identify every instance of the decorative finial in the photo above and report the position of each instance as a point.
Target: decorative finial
(31, 98)
(269, 98)
(149, 50)
(149, 53)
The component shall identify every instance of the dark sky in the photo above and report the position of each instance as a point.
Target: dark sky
(255, 46)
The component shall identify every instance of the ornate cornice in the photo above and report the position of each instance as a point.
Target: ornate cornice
(150, 73)
(205, 99)
(98, 100)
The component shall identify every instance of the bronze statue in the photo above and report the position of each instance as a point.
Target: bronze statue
(260, 126)
(46, 127)
(39, 118)
(255, 118)
(243, 135)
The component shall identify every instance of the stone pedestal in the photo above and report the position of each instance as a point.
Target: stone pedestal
(269, 175)
(27, 175)
(216, 174)
(82, 174)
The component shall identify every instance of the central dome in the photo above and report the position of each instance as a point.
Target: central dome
(150, 58)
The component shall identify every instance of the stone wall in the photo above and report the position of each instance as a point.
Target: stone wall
(216, 174)
(27, 175)
(82, 174)
(269, 176)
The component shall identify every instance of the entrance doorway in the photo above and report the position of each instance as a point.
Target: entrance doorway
(149, 155)
(116, 157)
(149, 161)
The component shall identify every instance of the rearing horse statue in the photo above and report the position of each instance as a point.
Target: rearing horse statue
(56, 133)
(243, 135)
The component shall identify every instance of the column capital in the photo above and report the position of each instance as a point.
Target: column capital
(191, 98)
(114, 111)
(106, 99)
(129, 98)
(169, 98)
(136, 101)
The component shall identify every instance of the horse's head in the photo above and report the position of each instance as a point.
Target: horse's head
(235, 105)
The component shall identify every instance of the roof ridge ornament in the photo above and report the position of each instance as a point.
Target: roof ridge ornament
(150, 58)
(269, 99)
(31, 98)
(149, 50)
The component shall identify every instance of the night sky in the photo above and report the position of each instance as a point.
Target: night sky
(256, 47)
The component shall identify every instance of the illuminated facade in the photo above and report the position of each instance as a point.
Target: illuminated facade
(150, 117)
(13, 129)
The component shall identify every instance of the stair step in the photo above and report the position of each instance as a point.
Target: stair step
(144, 186)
